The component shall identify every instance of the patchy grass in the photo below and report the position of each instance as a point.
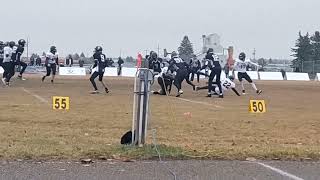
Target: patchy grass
(222, 129)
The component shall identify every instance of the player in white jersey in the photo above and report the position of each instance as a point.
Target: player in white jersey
(8, 63)
(226, 85)
(51, 63)
(241, 66)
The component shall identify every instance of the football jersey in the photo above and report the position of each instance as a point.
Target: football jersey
(17, 52)
(52, 58)
(100, 62)
(212, 61)
(7, 51)
(241, 66)
(1, 53)
(227, 84)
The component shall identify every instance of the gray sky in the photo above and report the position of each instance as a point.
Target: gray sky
(270, 26)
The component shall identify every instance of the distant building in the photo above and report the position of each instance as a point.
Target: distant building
(213, 41)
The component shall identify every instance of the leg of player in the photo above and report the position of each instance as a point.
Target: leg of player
(235, 91)
(48, 68)
(10, 73)
(189, 82)
(198, 77)
(178, 81)
(218, 82)
(162, 83)
(6, 68)
(240, 77)
(24, 66)
(54, 70)
(211, 77)
(93, 76)
(247, 78)
(101, 80)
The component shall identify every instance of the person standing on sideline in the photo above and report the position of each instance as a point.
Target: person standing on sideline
(120, 63)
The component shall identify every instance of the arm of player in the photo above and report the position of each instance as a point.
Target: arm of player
(254, 64)
(235, 91)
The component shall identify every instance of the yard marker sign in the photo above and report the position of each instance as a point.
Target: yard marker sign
(60, 103)
(257, 106)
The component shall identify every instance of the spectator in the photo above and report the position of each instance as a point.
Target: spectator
(81, 62)
(120, 62)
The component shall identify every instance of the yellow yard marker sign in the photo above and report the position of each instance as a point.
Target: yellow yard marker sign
(257, 106)
(60, 103)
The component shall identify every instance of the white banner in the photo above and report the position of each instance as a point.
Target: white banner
(270, 76)
(297, 76)
(111, 71)
(1, 70)
(72, 71)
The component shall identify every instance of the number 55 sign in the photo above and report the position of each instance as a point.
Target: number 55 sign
(257, 106)
(60, 103)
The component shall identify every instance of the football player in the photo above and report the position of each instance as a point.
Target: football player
(8, 62)
(212, 61)
(241, 66)
(176, 64)
(16, 55)
(1, 52)
(226, 85)
(100, 63)
(51, 63)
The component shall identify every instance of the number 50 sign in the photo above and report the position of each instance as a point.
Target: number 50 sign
(257, 106)
(61, 103)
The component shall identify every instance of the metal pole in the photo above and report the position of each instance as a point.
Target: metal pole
(141, 106)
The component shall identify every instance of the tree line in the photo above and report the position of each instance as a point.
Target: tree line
(306, 51)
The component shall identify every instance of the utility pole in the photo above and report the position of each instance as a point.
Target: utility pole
(27, 48)
(254, 54)
(158, 50)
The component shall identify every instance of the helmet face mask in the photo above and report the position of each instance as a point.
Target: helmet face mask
(53, 49)
(242, 56)
(1, 43)
(210, 51)
(22, 42)
(154, 55)
(231, 78)
(98, 49)
(12, 43)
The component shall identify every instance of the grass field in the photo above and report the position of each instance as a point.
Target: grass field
(189, 127)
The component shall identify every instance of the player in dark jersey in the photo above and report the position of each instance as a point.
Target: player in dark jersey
(51, 63)
(100, 63)
(195, 66)
(154, 62)
(18, 51)
(212, 61)
(1, 52)
(176, 64)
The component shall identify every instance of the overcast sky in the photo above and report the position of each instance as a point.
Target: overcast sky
(270, 26)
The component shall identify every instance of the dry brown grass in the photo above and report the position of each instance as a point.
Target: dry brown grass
(93, 127)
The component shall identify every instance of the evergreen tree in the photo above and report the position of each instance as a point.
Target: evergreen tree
(303, 51)
(185, 49)
(315, 41)
(76, 56)
(82, 55)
